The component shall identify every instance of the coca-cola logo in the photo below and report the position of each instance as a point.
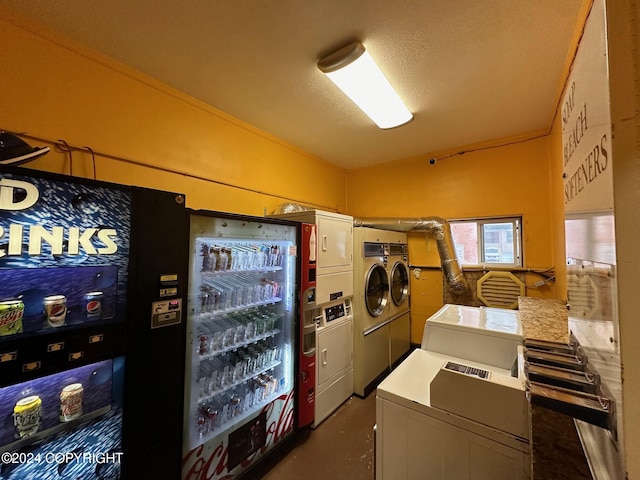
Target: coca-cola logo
(196, 465)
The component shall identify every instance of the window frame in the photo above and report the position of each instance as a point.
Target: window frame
(481, 223)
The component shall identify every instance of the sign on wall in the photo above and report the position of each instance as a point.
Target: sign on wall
(586, 124)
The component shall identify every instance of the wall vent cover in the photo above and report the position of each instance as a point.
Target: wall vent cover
(500, 289)
(582, 295)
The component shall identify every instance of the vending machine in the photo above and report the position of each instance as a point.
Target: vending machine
(92, 279)
(242, 343)
(307, 353)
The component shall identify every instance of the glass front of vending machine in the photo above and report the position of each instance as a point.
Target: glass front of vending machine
(70, 371)
(242, 343)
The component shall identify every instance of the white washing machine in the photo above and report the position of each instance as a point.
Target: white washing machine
(444, 418)
(398, 271)
(399, 305)
(371, 300)
(457, 407)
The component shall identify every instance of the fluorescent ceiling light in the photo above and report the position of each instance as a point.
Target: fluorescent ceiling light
(353, 70)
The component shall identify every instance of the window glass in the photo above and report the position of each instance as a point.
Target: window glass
(488, 241)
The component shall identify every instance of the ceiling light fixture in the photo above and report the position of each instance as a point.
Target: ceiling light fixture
(353, 70)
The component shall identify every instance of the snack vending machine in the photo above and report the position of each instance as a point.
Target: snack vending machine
(242, 343)
(91, 331)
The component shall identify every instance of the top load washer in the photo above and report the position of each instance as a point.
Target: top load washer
(457, 407)
(482, 334)
(440, 417)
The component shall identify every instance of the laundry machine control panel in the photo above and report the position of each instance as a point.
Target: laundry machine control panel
(334, 312)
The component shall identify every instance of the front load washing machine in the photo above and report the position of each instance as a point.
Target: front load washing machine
(398, 272)
(399, 314)
(376, 283)
(371, 307)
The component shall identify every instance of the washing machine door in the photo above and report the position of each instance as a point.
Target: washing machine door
(399, 283)
(376, 290)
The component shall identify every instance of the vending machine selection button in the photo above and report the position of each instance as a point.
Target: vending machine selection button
(8, 356)
(75, 356)
(55, 347)
(31, 366)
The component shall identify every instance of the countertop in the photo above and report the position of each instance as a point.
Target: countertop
(556, 449)
(544, 319)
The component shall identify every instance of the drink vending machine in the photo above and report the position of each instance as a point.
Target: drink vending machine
(92, 278)
(242, 343)
(307, 350)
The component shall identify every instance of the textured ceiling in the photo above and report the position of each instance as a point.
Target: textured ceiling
(470, 71)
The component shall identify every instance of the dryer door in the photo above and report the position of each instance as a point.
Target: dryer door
(376, 290)
(399, 283)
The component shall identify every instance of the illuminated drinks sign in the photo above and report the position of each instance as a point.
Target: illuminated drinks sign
(19, 237)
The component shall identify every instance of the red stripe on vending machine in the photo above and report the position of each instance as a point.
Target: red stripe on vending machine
(307, 351)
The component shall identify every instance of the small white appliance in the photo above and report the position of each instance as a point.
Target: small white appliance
(483, 334)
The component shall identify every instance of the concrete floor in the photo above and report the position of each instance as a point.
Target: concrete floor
(341, 447)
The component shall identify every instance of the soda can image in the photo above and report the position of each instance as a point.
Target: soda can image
(55, 308)
(71, 402)
(27, 416)
(93, 305)
(11, 313)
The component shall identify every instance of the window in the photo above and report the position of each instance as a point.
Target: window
(488, 241)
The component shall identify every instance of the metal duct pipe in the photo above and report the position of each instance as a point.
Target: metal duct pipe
(440, 229)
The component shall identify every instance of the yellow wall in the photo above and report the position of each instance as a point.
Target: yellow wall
(556, 191)
(505, 180)
(53, 89)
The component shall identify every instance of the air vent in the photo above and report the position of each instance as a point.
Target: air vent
(583, 296)
(500, 289)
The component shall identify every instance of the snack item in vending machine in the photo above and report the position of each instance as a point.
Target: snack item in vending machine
(11, 313)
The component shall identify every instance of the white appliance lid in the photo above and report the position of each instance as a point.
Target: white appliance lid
(479, 319)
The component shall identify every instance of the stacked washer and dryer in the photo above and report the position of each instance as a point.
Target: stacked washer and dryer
(382, 328)
(327, 313)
